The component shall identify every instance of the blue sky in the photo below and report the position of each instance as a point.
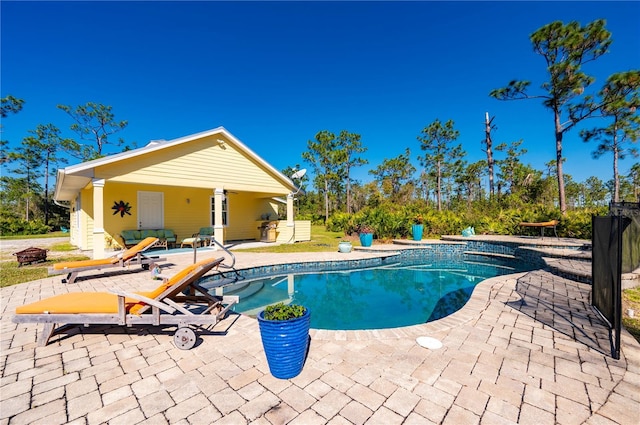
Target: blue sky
(276, 73)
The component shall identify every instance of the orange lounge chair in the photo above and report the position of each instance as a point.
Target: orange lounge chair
(130, 257)
(159, 307)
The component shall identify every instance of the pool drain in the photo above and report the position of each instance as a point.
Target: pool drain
(428, 342)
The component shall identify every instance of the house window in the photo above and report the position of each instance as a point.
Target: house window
(224, 210)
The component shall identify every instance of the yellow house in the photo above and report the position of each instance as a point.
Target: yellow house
(205, 179)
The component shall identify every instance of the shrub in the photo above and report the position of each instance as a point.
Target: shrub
(577, 224)
(393, 221)
(282, 311)
(36, 227)
(340, 222)
(19, 226)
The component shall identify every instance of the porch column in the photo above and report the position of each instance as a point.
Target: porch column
(291, 224)
(98, 219)
(290, 218)
(218, 228)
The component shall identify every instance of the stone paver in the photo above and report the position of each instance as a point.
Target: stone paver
(526, 348)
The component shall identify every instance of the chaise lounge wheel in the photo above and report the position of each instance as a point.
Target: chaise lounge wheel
(184, 338)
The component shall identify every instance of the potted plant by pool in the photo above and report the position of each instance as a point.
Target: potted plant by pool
(366, 234)
(344, 246)
(284, 330)
(417, 228)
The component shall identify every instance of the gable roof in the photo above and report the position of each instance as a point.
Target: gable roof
(70, 180)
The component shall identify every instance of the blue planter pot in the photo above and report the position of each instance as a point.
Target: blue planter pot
(366, 239)
(285, 344)
(417, 230)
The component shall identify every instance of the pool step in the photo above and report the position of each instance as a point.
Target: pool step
(248, 290)
(578, 270)
(231, 287)
(227, 282)
(497, 266)
(490, 254)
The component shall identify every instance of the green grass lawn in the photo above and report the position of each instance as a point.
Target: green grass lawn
(321, 240)
(631, 299)
(12, 274)
(45, 236)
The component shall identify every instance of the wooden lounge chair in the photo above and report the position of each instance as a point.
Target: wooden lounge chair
(543, 225)
(179, 301)
(130, 257)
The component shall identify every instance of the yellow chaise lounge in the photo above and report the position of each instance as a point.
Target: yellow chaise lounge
(130, 257)
(179, 301)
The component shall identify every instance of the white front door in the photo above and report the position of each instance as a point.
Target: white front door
(150, 210)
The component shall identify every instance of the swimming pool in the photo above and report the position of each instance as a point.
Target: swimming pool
(388, 296)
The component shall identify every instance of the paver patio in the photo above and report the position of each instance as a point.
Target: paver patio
(527, 348)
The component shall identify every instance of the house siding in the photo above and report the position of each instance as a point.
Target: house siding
(86, 219)
(201, 164)
(74, 229)
(285, 233)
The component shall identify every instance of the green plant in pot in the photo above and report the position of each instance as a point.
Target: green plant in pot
(284, 330)
(366, 232)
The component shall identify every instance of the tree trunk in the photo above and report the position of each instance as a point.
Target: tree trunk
(348, 187)
(46, 191)
(559, 133)
(439, 187)
(28, 194)
(487, 131)
(616, 177)
(326, 201)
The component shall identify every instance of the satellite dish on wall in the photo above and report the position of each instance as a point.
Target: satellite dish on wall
(298, 174)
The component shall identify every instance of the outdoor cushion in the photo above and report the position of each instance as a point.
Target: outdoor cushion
(141, 246)
(135, 236)
(190, 241)
(76, 303)
(85, 263)
(128, 235)
(168, 284)
(206, 231)
(148, 233)
(125, 255)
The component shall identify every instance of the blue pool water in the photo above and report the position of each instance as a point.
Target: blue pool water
(390, 296)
